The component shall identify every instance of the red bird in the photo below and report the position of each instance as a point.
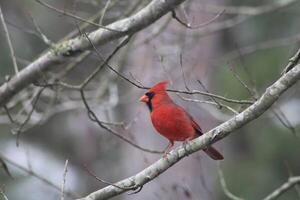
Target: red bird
(171, 120)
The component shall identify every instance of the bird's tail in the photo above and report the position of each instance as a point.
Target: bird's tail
(213, 153)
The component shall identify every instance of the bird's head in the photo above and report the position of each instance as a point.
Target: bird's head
(155, 95)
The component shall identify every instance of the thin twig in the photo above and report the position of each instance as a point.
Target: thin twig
(106, 182)
(94, 118)
(248, 10)
(11, 49)
(98, 68)
(252, 93)
(187, 25)
(75, 62)
(292, 62)
(224, 185)
(82, 26)
(130, 10)
(10, 117)
(273, 43)
(182, 72)
(211, 103)
(5, 168)
(45, 39)
(284, 121)
(155, 33)
(103, 12)
(290, 173)
(212, 98)
(22, 29)
(18, 131)
(105, 61)
(63, 12)
(64, 180)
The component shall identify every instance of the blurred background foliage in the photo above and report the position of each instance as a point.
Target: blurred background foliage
(258, 158)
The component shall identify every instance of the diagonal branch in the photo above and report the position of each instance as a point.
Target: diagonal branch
(64, 50)
(292, 181)
(252, 112)
(11, 49)
(229, 194)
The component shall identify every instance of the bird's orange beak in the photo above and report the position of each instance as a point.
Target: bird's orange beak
(144, 99)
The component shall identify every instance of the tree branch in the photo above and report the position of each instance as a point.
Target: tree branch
(292, 181)
(64, 50)
(252, 112)
(229, 194)
(11, 49)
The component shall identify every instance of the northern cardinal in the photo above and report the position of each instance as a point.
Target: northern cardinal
(171, 120)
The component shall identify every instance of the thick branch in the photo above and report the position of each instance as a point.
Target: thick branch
(252, 112)
(60, 53)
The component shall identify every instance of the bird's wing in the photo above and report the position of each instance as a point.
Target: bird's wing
(195, 125)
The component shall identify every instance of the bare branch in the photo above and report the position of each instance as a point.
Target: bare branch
(292, 62)
(11, 49)
(187, 25)
(106, 182)
(292, 181)
(45, 39)
(155, 33)
(3, 194)
(224, 185)
(212, 98)
(11, 119)
(19, 130)
(290, 173)
(247, 10)
(251, 92)
(284, 121)
(229, 23)
(105, 61)
(103, 12)
(182, 72)
(75, 16)
(252, 112)
(211, 103)
(5, 168)
(64, 180)
(213, 95)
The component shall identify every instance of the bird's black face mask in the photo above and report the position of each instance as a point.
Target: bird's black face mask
(150, 95)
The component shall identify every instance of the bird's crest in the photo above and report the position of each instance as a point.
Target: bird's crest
(161, 86)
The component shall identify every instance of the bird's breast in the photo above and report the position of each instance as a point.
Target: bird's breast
(172, 122)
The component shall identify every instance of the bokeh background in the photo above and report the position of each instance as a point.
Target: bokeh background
(251, 41)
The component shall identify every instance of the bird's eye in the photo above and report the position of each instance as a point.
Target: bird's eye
(150, 95)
